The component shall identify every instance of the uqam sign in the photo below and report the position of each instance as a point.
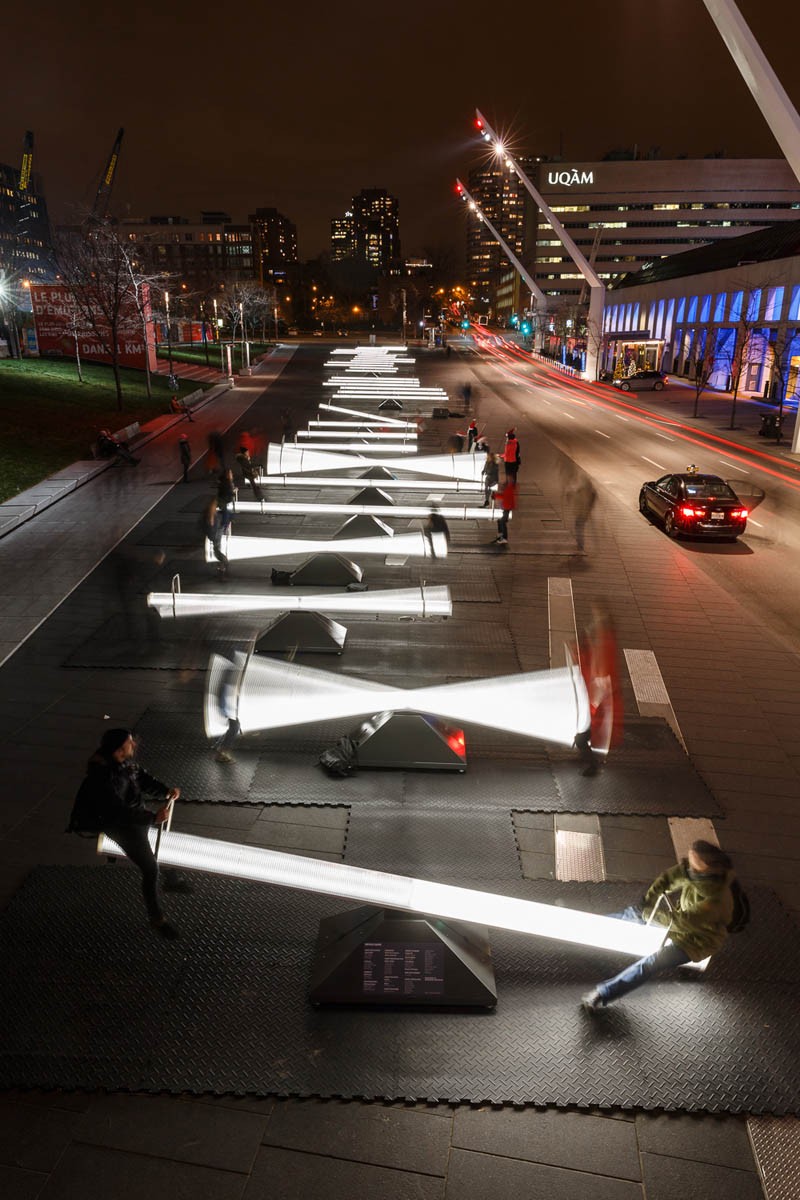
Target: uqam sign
(569, 178)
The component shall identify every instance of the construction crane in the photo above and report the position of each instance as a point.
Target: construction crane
(100, 207)
(27, 162)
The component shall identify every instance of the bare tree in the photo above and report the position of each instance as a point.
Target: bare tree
(702, 362)
(95, 265)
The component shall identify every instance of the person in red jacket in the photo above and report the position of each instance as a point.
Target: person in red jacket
(511, 456)
(506, 499)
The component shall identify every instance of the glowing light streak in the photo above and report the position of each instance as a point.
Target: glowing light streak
(462, 512)
(416, 602)
(412, 545)
(365, 425)
(375, 417)
(368, 434)
(287, 458)
(551, 706)
(385, 890)
(363, 447)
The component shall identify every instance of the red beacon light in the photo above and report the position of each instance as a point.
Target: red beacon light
(479, 124)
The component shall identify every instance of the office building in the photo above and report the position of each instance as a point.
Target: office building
(342, 245)
(202, 255)
(26, 252)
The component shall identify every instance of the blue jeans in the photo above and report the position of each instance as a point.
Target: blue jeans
(665, 959)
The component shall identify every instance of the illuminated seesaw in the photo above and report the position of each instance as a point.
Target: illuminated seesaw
(461, 512)
(465, 486)
(363, 446)
(378, 424)
(356, 431)
(408, 545)
(403, 892)
(287, 458)
(374, 418)
(421, 602)
(550, 706)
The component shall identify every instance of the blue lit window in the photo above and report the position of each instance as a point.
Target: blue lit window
(774, 304)
(753, 304)
(794, 307)
(719, 307)
(659, 329)
(705, 309)
(692, 313)
(635, 317)
(681, 310)
(737, 300)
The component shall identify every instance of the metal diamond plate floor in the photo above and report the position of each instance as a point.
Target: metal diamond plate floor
(93, 1000)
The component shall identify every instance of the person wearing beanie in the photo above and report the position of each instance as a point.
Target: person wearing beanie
(511, 456)
(695, 900)
(111, 800)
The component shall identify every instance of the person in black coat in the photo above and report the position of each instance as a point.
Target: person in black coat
(111, 800)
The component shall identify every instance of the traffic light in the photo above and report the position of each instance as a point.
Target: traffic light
(525, 329)
(465, 323)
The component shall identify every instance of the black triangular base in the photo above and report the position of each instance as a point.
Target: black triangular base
(390, 402)
(409, 741)
(377, 473)
(327, 570)
(362, 525)
(382, 957)
(371, 495)
(303, 632)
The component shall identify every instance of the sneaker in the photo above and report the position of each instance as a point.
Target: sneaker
(222, 756)
(176, 882)
(165, 929)
(592, 1002)
(502, 541)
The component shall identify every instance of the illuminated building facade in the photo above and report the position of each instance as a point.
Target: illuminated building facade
(376, 228)
(274, 245)
(506, 203)
(342, 237)
(624, 214)
(204, 255)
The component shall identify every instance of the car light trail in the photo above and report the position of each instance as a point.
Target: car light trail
(384, 890)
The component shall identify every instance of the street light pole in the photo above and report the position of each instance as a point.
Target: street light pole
(169, 334)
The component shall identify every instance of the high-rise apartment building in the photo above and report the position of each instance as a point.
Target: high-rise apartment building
(274, 245)
(369, 230)
(342, 237)
(25, 246)
(202, 255)
(503, 198)
(376, 228)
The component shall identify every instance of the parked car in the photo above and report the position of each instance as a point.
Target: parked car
(695, 504)
(641, 381)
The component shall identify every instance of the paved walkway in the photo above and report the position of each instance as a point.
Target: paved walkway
(64, 1146)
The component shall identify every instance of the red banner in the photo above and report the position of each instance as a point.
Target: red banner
(60, 320)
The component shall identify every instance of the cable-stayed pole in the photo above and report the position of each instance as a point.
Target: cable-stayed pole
(597, 290)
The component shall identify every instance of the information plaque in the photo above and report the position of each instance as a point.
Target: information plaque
(403, 969)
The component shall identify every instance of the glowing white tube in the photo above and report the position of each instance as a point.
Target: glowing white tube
(367, 424)
(462, 512)
(386, 485)
(362, 447)
(417, 602)
(374, 417)
(384, 890)
(368, 435)
(547, 705)
(410, 545)
(287, 458)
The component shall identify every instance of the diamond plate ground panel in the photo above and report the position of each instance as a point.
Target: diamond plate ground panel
(676, 790)
(87, 975)
(475, 591)
(776, 1142)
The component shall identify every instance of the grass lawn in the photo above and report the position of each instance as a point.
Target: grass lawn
(49, 419)
(196, 355)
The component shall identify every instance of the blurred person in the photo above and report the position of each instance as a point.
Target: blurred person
(695, 901)
(581, 498)
(226, 494)
(434, 524)
(455, 442)
(491, 476)
(212, 529)
(472, 436)
(506, 499)
(229, 706)
(185, 453)
(512, 459)
(179, 406)
(216, 453)
(466, 393)
(598, 658)
(248, 469)
(111, 800)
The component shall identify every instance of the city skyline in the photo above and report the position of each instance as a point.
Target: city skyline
(346, 110)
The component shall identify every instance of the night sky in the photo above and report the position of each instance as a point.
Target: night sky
(300, 105)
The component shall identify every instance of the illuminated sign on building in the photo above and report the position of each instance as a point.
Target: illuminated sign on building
(568, 178)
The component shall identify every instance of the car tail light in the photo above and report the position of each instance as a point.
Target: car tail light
(688, 510)
(740, 514)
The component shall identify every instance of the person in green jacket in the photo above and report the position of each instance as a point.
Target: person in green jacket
(695, 900)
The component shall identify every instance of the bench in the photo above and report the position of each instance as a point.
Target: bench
(128, 434)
